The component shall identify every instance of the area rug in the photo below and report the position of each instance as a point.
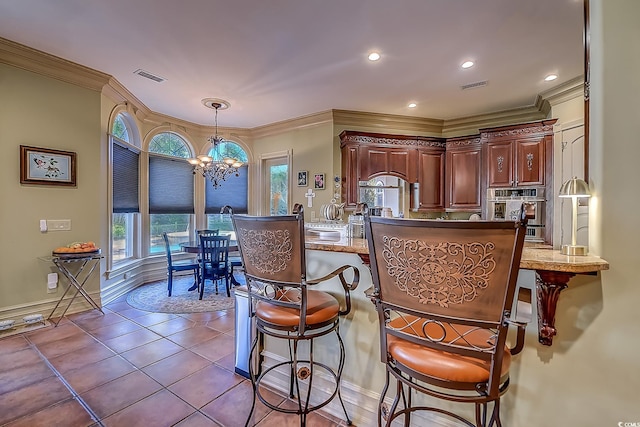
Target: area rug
(153, 297)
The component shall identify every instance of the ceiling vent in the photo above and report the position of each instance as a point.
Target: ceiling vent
(149, 76)
(474, 85)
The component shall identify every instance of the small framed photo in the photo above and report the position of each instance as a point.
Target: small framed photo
(318, 181)
(302, 178)
(44, 166)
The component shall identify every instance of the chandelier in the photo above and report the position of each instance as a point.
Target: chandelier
(216, 168)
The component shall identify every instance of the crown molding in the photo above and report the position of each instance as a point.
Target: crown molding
(473, 124)
(572, 89)
(120, 94)
(26, 58)
(297, 123)
(387, 123)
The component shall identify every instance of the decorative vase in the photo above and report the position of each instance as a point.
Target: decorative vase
(332, 211)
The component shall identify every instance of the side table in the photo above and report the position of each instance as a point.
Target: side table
(85, 264)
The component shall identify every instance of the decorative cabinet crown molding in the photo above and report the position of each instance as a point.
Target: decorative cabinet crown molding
(463, 142)
(353, 137)
(523, 130)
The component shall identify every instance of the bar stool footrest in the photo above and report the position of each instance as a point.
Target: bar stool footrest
(302, 399)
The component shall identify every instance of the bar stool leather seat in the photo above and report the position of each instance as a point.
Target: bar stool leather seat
(321, 308)
(444, 366)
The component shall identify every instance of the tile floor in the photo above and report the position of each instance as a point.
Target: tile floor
(131, 368)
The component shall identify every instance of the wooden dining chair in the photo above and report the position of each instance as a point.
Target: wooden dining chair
(207, 232)
(444, 293)
(182, 265)
(214, 261)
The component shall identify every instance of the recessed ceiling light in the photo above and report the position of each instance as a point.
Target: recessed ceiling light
(374, 56)
(467, 64)
(412, 105)
(550, 77)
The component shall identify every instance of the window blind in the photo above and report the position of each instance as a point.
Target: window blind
(170, 185)
(125, 180)
(232, 192)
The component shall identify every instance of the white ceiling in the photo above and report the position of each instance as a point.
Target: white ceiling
(274, 60)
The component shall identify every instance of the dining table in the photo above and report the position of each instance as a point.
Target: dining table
(193, 247)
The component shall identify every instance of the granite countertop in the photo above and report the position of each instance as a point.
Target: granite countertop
(344, 244)
(534, 256)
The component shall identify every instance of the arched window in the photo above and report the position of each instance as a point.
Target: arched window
(119, 128)
(227, 149)
(170, 190)
(125, 165)
(232, 192)
(171, 144)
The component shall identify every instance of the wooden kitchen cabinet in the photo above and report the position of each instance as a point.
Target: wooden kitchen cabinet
(519, 155)
(430, 190)
(412, 158)
(350, 176)
(530, 161)
(394, 161)
(463, 174)
(517, 163)
(500, 164)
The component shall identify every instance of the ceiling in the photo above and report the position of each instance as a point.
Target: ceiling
(281, 59)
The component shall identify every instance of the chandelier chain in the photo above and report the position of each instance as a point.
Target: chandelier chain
(216, 168)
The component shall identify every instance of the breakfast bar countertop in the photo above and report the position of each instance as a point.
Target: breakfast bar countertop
(534, 256)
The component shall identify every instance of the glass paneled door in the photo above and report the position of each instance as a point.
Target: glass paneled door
(276, 179)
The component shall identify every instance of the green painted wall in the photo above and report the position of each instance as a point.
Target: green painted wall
(43, 112)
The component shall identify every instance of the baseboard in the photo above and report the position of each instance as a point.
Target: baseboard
(45, 307)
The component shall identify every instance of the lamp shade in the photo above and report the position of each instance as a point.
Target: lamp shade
(575, 187)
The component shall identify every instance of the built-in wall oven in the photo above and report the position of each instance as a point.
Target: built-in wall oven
(505, 203)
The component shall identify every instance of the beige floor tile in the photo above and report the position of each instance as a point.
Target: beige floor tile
(203, 386)
(22, 401)
(146, 412)
(175, 367)
(115, 395)
(67, 413)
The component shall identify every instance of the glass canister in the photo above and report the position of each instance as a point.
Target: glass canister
(356, 226)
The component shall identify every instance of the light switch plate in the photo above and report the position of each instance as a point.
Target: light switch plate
(59, 224)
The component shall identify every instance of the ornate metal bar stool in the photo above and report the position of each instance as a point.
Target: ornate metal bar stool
(444, 292)
(272, 249)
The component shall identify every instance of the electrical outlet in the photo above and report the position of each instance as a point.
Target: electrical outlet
(52, 283)
(59, 224)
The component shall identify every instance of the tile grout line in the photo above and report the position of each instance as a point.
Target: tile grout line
(75, 395)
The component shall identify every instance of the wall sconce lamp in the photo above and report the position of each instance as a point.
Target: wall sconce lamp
(574, 188)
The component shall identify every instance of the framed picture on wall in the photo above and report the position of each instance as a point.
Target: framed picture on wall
(302, 178)
(318, 181)
(45, 166)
